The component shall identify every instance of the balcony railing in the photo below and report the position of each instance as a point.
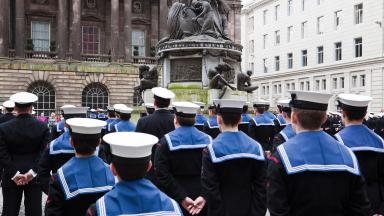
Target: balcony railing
(96, 58)
(40, 55)
(144, 60)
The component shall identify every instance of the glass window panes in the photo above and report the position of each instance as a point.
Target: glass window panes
(251, 23)
(304, 60)
(95, 95)
(338, 51)
(265, 13)
(303, 29)
(320, 55)
(334, 83)
(289, 33)
(289, 12)
(251, 46)
(358, 47)
(342, 82)
(138, 43)
(337, 19)
(362, 80)
(46, 102)
(307, 85)
(277, 12)
(354, 81)
(277, 63)
(265, 36)
(324, 84)
(41, 36)
(265, 66)
(91, 40)
(277, 37)
(358, 13)
(290, 60)
(320, 25)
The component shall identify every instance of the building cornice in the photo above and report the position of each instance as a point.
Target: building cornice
(251, 6)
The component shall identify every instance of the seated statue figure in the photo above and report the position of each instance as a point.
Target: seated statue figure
(148, 80)
(244, 82)
(205, 18)
(217, 81)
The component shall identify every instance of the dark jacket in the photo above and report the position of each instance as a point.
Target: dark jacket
(6, 117)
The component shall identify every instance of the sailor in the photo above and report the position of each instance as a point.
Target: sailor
(84, 178)
(117, 119)
(124, 125)
(267, 112)
(367, 146)
(312, 173)
(178, 160)
(93, 114)
(280, 120)
(22, 141)
(245, 118)
(101, 115)
(261, 127)
(9, 107)
(210, 126)
(200, 118)
(60, 150)
(288, 132)
(60, 126)
(158, 123)
(110, 118)
(149, 109)
(233, 175)
(133, 194)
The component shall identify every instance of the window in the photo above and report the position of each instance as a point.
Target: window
(138, 43)
(41, 36)
(342, 82)
(320, 55)
(362, 80)
(277, 12)
(304, 58)
(303, 2)
(337, 19)
(289, 12)
(91, 40)
(319, 2)
(303, 29)
(288, 86)
(358, 13)
(251, 23)
(95, 95)
(317, 85)
(320, 25)
(265, 13)
(45, 92)
(354, 81)
(358, 47)
(338, 51)
(277, 37)
(302, 86)
(277, 63)
(334, 83)
(279, 90)
(275, 89)
(289, 33)
(251, 46)
(324, 84)
(263, 91)
(293, 87)
(290, 60)
(267, 90)
(265, 66)
(265, 37)
(307, 86)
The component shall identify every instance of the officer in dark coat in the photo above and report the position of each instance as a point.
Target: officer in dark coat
(8, 106)
(368, 146)
(158, 123)
(22, 141)
(210, 126)
(287, 132)
(59, 151)
(84, 178)
(133, 194)
(312, 173)
(233, 175)
(178, 158)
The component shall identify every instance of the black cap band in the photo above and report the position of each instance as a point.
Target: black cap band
(351, 108)
(228, 109)
(307, 105)
(185, 115)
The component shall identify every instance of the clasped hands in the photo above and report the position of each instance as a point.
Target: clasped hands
(193, 206)
(22, 179)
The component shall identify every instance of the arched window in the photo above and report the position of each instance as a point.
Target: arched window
(45, 92)
(95, 95)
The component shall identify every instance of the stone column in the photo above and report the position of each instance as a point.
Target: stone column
(75, 37)
(20, 29)
(114, 29)
(4, 28)
(128, 30)
(163, 7)
(154, 24)
(62, 29)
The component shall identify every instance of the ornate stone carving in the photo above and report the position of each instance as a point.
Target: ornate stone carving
(148, 80)
(91, 4)
(137, 7)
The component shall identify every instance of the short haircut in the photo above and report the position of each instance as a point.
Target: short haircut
(125, 116)
(245, 109)
(150, 110)
(214, 111)
(111, 114)
(310, 119)
(9, 109)
(130, 168)
(260, 110)
(230, 119)
(85, 143)
(161, 102)
(289, 112)
(184, 121)
(355, 114)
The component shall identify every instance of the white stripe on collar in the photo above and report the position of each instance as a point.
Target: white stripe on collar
(284, 135)
(185, 146)
(362, 148)
(212, 127)
(235, 156)
(262, 124)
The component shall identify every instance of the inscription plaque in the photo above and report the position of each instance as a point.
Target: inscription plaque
(186, 70)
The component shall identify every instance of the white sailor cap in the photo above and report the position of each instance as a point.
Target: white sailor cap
(309, 100)
(260, 103)
(163, 93)
(85, 125)
(125, 110)
(100, 110)
(149, 105)
(185, 109)
(93, 110)
(119, 107)
(9, 104)
(67, 105)
(1, 107)
(110, 109)
(23, 98)
(284, 102)
(229, 105)
(131, 144)
(72, 112)
(201, 104)
(353, 101)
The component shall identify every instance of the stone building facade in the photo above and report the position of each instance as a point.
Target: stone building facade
(77, 47)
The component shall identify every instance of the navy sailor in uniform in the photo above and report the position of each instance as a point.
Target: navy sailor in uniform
(178, 160)
(245, 118)
(117, 119)
(368, 146)
(200, 118)
(84, 178)
(288, 132)
(133, 194)
(59, 151)
(9, 107)
(312, 173)
(124, 125)
(234, 167)
(60, 126)
(210, 126)
(111, 117)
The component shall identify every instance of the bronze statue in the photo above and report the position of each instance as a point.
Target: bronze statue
(217, 78)
(244, 82)
(148, 80)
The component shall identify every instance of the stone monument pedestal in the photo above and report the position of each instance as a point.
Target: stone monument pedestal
(148, 96)
(229, 94)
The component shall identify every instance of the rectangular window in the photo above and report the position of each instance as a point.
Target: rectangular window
(302, 86)
(354, 81)
(277, 63)
(307, 86)
(267, 90)
(358, 47)
(320, 55)
(303, 5)
(251, 46)
(290, 60)
(324, 84)
(337, 19)
(288, 86)
(303, 29)
(41, 36)
(319, 2)
(138, 43)
(320, 25)
(293, 86)
(274, 89)
(317, 85)
(277, 12)
(358, 13)
(251, 23)
(304, 58)
(277, 37)
(265, 66)
(342, 82)
(289, 33)
(265, 41)
(289, 12)
(265, 13)
(362, 80)
(263, 90)
(334, 83)
(279, 90)
(338, 51)
(91, 40)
